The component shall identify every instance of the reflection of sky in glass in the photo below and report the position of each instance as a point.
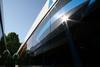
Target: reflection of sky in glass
(44, 29)
(66, 8)
(91, 1)
(50, 2)
(32, 42)
(72, 4)
(39, 34)
(20, 14)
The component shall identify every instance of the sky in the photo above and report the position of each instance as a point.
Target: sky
(19, 15)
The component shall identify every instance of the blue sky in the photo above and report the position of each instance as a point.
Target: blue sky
(20, 14)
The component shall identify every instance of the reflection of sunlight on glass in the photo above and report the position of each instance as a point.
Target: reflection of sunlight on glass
(64, 18)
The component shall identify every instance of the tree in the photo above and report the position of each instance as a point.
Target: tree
(5, 56)
(12, 41)
(2, 45)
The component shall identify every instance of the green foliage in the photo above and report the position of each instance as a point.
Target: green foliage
(2, 45)
(12, 42)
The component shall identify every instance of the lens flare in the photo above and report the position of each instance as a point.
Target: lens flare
(64, 18)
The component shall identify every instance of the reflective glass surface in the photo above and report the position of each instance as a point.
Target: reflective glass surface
(40, 33)
(44, 27)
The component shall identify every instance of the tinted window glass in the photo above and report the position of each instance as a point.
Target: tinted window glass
(40, 33)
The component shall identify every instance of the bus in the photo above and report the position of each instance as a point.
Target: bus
(55, 36)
